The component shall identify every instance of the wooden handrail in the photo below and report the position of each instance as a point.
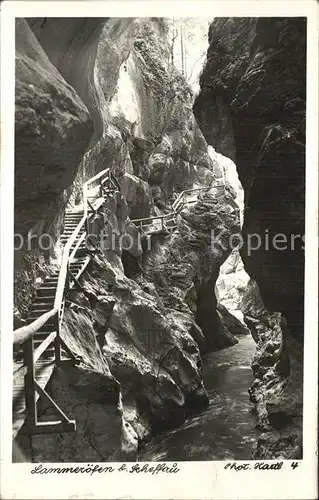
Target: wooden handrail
(85, 199)
(178, 203)
(42, 347)
(20, 335)
(96, 177)
(162, 216)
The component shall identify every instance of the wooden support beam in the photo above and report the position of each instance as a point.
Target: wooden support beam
(68, 350)
(54, 427)
(91, 206)
(42, 347)
(75, 280)
(29, 383)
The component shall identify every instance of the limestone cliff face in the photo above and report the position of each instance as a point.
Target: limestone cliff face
(143, 317)
(71, 46)
(149, 131)
(53, 130)
(277, 390)
(252, 108)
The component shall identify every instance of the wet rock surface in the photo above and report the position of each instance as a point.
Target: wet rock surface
(53, 129)
(225, 429)
(252, 108)
(277, 390)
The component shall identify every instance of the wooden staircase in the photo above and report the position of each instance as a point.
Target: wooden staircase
(39, 345)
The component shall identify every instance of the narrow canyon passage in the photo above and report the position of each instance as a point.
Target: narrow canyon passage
(226, 429)
(149, 154)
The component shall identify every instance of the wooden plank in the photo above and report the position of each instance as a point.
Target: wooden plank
(40, 373)
(29, 387)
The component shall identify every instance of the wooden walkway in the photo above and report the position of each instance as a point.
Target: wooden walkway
(168, 222)
(42, 349)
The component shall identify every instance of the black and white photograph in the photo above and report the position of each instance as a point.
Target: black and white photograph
(159, 243)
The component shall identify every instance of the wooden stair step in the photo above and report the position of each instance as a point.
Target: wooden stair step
(66, 237)
(46, 291)
(71, 231)
(72, 222)
(44, 300)
(40, 336)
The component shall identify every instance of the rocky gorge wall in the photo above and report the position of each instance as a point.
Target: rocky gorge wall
(144, 316)
(251, 108)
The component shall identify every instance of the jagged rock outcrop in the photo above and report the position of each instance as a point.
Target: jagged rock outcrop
(251, 108)
(53, 129)
(150, 130)
(277, 390)
(71, 46)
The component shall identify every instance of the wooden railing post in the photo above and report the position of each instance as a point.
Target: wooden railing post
(57, 343)
(29, 382)
(85, 200)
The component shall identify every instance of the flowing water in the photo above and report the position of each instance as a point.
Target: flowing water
(226, 429)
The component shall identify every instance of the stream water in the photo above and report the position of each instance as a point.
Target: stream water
(226, 429)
